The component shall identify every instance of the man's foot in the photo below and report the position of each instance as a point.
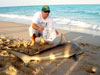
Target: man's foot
(42, 41)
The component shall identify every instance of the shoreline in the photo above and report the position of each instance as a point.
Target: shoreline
(20, 31)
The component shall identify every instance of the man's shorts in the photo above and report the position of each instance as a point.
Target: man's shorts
(33, 31)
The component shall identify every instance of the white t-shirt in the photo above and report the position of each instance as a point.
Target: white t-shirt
(49, 33)
(37, 19)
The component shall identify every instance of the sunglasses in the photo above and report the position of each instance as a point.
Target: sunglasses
(47, 11)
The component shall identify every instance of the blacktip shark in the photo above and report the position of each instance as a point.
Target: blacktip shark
(60, 49)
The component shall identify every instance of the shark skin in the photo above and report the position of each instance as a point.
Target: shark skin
(61, 49)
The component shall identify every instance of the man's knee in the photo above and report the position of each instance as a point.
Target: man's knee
(39, 34)
(34, 36)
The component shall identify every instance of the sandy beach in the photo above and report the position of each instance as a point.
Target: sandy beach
(88, 63)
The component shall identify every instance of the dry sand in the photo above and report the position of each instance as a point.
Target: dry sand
(17, 34)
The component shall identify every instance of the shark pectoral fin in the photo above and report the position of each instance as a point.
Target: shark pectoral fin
(75, 57)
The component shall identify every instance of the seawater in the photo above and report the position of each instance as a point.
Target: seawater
(77, 18)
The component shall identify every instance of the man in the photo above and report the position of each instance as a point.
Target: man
(40, 21)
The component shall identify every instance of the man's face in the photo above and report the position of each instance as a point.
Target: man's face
(45, 14)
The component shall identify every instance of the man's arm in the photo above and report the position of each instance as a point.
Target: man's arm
(34, 26)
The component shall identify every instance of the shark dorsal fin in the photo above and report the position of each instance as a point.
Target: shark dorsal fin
(63, 39)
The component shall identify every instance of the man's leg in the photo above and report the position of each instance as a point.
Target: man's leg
(33, 39)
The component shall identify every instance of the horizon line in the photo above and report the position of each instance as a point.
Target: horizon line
(47, 4)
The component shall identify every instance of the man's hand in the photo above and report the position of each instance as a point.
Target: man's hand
(34, 26)
(41, 29)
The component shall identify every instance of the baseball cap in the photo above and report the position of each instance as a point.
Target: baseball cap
(45, 8)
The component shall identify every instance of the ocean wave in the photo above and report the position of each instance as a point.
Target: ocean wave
(68, 22)
(84, 12)
(16, 16)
